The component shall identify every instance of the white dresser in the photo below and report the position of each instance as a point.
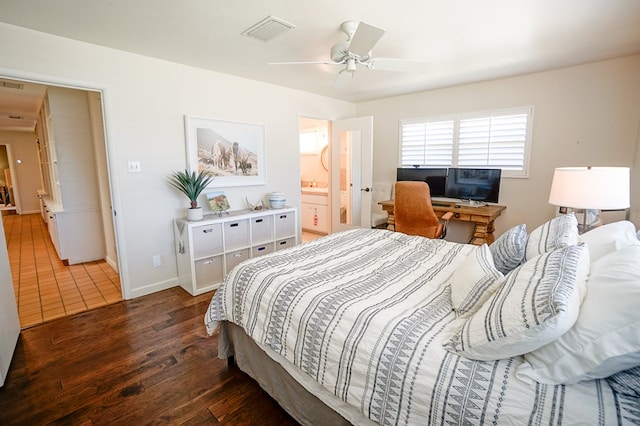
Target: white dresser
(208, 249)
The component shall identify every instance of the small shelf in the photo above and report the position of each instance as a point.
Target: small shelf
(207, 250)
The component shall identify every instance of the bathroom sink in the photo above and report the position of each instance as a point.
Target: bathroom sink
(315, 190)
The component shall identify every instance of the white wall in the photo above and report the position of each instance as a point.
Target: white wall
(584, 115)
(145, 103)
(23, 147)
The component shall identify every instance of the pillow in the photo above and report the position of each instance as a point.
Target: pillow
(626, 382)
(474, 281)
(508, 250)
(606, 336)
(608, 238)
(538, 302)
(559, 232)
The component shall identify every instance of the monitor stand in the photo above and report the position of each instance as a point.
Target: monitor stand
(471, 203)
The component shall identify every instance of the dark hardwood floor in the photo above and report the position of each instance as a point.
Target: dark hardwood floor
(142, 361)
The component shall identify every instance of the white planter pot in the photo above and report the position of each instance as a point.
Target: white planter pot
(194, 214)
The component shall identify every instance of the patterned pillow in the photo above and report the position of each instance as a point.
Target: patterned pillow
(606, 337)
(626, 382)
(538, 302)
(508, 250)
(559, 232)
(474, 281)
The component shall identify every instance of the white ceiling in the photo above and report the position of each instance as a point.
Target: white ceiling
(466, 40)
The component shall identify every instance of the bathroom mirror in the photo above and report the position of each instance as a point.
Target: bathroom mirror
(323, 158)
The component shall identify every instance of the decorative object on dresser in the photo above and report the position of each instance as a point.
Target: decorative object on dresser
(207, 250)
(591, 189)
(191, 185)
(218, 202)
(277, 200)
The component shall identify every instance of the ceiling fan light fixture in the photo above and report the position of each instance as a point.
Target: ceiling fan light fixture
(351, 65)
(268, 29)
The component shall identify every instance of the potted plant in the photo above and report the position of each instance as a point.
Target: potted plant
(191, 184)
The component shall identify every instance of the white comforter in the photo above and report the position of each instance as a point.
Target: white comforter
(365, 313)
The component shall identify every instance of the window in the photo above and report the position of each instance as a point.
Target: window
(309, 142)
(495, 139)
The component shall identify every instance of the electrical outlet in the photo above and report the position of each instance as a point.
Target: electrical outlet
(156, 261)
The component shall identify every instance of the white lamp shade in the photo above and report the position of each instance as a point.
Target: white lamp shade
(602, 188)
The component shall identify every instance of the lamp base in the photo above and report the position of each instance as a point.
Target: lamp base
(590, 220)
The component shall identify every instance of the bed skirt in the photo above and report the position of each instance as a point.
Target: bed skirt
(303, 406)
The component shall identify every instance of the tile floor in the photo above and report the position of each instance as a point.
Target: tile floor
(310, 236)
(44, 287)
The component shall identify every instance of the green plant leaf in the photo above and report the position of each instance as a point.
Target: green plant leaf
(191, 184)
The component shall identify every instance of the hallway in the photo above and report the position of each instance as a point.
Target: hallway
(44, 287)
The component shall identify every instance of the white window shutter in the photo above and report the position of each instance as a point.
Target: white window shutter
(427, 143)
(494, 142)
(496, 139)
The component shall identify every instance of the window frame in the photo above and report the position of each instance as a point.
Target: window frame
(457, 118)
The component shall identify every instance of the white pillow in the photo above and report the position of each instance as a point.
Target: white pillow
(606, 336)
(559, 232)
(608, 238)
(474, 281)
(509, 248)
(538, 302)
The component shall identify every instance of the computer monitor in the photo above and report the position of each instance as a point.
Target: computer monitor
(435, 177)
(473, 184)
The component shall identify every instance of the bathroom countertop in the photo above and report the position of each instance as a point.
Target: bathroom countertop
(313, 190)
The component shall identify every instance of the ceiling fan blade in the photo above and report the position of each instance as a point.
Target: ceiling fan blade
(400, 65)
(342, 79)
(306, 63)
(365, 37)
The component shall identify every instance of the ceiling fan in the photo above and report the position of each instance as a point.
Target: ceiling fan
(361, 38)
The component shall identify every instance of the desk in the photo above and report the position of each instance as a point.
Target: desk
(483, 217)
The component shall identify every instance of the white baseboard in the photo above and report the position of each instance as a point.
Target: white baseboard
(112, 263)
(153, 288)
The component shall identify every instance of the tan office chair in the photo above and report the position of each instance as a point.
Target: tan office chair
(414, 213)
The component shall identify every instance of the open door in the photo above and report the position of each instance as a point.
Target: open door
(351, 173)
(9, 320)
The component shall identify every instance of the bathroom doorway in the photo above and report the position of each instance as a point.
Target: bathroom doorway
(314, 177)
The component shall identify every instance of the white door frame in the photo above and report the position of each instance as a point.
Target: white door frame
(114, 188)
(365, 185)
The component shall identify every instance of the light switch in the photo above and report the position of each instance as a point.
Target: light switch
(134, 167)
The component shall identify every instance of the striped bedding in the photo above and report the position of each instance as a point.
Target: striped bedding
(365, 314)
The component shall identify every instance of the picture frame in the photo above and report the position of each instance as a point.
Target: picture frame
(233, 152)
(218, 201)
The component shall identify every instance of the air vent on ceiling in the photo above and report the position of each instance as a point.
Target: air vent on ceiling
(11, 85)
(268, 29)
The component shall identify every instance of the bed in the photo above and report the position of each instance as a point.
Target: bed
(377, 327)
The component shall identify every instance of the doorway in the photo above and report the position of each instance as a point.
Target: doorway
(314, 177)
(336, 173)
(7, 201)
(63, 289)
(351, 173)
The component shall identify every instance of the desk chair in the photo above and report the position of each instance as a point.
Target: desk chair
(413, 212)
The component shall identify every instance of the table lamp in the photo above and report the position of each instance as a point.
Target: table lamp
(590, 189)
